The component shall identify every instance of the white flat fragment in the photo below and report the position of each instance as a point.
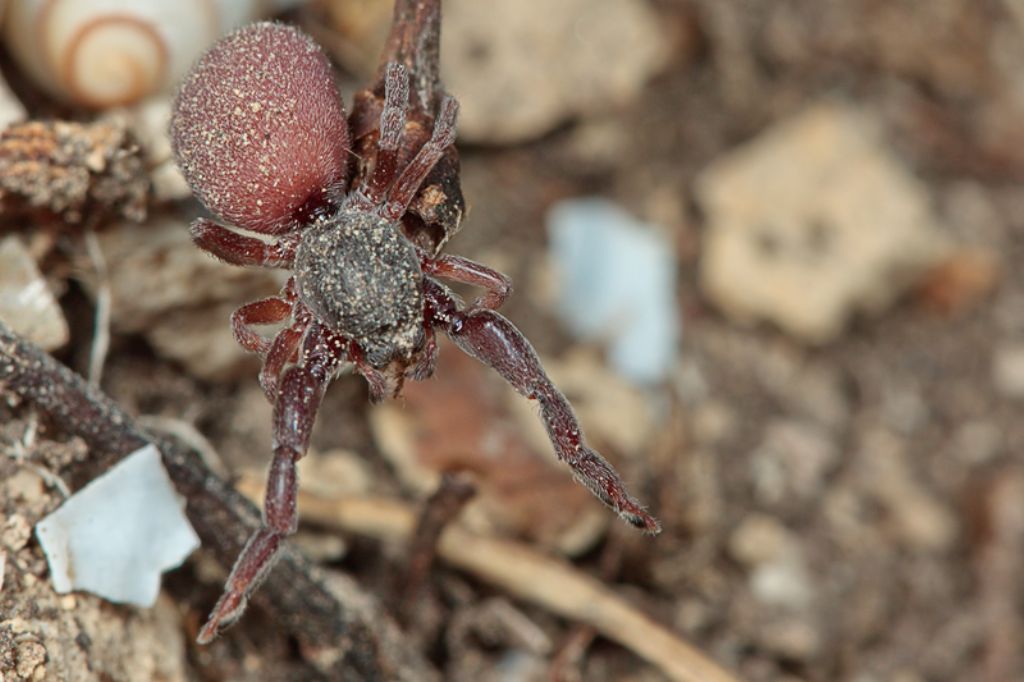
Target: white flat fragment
(115, 536)
(617, 282)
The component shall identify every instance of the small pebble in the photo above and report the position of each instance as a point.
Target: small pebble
(30, 658)
(16, 532)
(1008, 370)
(115, 536)
(618, 283)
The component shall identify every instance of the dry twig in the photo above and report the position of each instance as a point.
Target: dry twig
(101, 333)
(520, 571)
(339, 629)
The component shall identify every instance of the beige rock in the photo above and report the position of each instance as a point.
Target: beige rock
(178, 296)
(778, 570)
(26, 303)
(792, 461)
(519, 68)
(918, 518)
(1008, 370)
(760, 539)
(814, 221)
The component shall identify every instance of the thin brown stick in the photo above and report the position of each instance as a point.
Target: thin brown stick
(340, 631)
(523, 573)
(440, 509)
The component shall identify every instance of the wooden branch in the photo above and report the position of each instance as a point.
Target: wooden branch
(522, 572)
(339, 630)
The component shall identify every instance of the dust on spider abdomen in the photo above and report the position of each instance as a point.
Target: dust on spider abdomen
(362, 278)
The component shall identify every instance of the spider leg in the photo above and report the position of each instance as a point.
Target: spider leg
(459, 269)
(493, 340)
(380, 385)
(404, 189)
(238, 249)
(264, 311)
(427, 360)
(282, 349)
(302, 388)
(392, 127)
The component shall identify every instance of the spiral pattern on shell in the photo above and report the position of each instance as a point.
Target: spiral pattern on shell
(103, 53)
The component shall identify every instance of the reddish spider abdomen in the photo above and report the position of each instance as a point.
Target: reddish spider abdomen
(259, 129)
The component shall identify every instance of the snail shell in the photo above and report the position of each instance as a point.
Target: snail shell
(103, 53)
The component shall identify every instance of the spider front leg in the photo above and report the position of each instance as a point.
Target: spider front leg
(301, 390)
(459, 269)
(406, 185)
(427, 360)
(381, 387)
(281, 351)
(265, 311)
(492, 339)
(238, 249)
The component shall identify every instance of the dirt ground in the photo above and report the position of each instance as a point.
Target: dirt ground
(838, 506)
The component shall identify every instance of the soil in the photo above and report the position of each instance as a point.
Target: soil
(846, 511)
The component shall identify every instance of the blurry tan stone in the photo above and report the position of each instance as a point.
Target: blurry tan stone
(26, 302)
(814, 221)
(775, 558)
(1008, 369)
(178, 296)
(520, 68)
(917, 517)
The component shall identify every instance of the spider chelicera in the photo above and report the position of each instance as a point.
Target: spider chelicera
(260, 134)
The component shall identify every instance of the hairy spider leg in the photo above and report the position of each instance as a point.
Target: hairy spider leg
(490, 338)
(498, 287)
(380, 386)
(392, 129)
(238, 249)
(264, 311)
(459, 269)
(426, 361)
(285, 344)
(282, 350)
(302, 389)
(403, 190)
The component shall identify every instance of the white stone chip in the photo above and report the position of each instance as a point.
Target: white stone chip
(617, 282)
(115, 536)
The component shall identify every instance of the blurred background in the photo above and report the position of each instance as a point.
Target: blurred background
(769, 250)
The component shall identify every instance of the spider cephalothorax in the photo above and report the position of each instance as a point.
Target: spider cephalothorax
(362, 278)
(260, 134)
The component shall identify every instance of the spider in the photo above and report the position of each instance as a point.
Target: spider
(260, 134)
